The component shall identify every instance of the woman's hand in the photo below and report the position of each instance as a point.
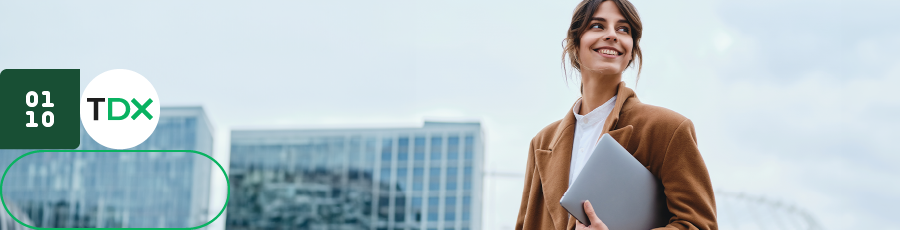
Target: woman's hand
(596, 224)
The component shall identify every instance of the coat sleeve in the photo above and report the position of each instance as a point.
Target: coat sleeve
(687, 184)
(526, 191)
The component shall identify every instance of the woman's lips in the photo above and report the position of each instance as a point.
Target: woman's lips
(608, 52)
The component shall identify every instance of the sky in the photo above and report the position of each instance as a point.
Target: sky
(792, 100)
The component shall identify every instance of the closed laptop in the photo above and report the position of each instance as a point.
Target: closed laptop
(624, 194)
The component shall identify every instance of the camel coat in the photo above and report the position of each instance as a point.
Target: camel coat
(662, 140)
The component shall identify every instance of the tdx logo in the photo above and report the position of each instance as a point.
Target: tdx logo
(119, 109)
(141, 108)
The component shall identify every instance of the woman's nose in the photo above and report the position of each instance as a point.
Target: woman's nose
(610, 37)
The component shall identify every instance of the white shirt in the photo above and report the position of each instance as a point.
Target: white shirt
(588, 128)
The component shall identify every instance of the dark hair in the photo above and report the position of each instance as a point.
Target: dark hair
(581, 19)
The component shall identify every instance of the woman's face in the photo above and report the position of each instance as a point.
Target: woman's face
(606, 45)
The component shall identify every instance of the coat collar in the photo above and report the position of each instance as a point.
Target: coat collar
(553, 164)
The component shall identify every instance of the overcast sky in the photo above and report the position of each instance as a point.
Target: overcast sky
(792, 100)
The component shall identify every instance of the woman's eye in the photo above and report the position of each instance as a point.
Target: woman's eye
(623, 29)
(596, 26)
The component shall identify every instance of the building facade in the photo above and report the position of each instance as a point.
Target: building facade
(426, 178)
(118, 189)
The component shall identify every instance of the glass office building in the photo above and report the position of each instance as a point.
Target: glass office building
(425, 178)
(118, 189)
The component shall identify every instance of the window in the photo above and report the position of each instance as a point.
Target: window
(436, 147)
(386, 145)
(401, 172)
(450, 208)
(470, 146)
(383, 203)
(401, 178)
(400, 209)
(451, 178)
(433, 201)
(419, 149)
(453, 147)
(434, 179)
(417, 208)
(386, 174)
(416, 202)
(418, 178)
(467, 206)
(370, 150)
(433, 208)
(403, 149)
(356, 161)
(467, 178)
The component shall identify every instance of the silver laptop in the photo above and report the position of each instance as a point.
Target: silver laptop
(624, 194)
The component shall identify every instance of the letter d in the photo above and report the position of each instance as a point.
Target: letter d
(109, 110)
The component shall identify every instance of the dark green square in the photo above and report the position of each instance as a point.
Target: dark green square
(63, 85)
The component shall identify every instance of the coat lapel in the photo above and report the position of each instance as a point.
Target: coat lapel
(553, 167)
(623, 95)
(622, 135)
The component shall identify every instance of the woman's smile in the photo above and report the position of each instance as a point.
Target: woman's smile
(606, 44)
(608, 52)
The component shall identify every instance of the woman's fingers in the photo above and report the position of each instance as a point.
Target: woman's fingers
(589, 210)
(579, 225)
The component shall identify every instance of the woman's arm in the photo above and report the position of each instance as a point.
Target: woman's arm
(688, 188)
(529, 174)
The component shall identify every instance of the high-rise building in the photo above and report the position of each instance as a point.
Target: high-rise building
(118, 189)
(426, 178)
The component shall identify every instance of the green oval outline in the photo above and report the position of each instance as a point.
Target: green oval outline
(227, 195)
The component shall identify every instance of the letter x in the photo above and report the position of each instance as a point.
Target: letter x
(141, 109)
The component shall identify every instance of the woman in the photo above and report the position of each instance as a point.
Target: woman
(601, 42)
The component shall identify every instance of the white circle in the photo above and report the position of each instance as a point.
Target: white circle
(119, 84)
